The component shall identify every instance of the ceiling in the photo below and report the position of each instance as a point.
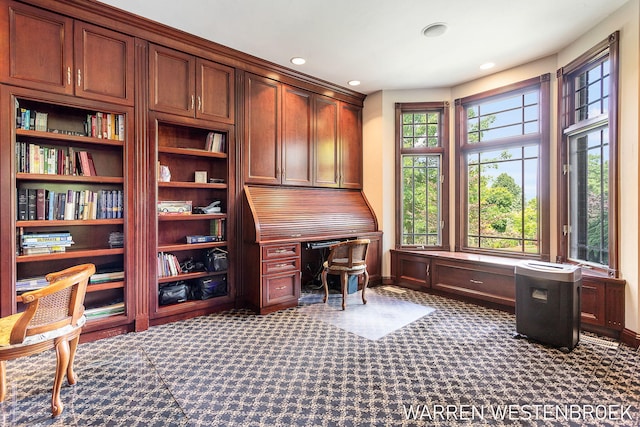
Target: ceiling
(380, 42)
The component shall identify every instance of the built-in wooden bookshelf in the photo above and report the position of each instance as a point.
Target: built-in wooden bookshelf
(65, 210)
(184, 154)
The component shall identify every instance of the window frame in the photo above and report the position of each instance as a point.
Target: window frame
(567, 127)
(442, 150)
(462, 148)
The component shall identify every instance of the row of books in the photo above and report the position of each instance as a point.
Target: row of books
(39, 204)
(45, 243)
(215, 142)
(106, 126)
(168, 265)
(97, 125)
(38, 282)
(109, 276)
(31, 119)
(105, 311)
(34, 158)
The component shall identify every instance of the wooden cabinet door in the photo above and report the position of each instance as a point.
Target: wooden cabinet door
(171, 81)
(592, 302)
(350, 146)
(104, 64)
(215, 91)
(297, 151)
(326, 142)
(411, 270)
(262, 131)
(37, 48)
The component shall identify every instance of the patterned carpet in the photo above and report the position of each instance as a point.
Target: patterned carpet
(458, 365)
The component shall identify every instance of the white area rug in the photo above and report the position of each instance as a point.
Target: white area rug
(379, 317)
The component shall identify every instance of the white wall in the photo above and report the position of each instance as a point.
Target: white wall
(379, 141)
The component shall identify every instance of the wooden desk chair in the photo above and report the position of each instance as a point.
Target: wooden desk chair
(53, 318)
(346, 259)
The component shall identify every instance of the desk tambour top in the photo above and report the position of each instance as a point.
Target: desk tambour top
(273, 214)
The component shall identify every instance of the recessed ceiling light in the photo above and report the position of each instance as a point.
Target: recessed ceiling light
(297, 60)
(434, 30)
(354, 82)
(487, 65)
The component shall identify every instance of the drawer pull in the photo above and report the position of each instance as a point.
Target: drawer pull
(296, 235)
(479, 282)
(279, 288)
(282, 265)
(280, 251)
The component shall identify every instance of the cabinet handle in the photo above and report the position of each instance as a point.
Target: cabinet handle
(192, 101)
(79, 77)
(281, 265)
(279, 288)
(279, 251)
(296, 235)
(479, 282)
(68, 75)
(428, 268)
(199, 103)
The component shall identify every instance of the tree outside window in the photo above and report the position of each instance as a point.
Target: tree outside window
(421, 190)
(502, 140)
(587, 199)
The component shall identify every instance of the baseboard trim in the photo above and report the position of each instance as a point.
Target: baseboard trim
(630, 338)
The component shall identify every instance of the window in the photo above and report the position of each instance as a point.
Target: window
(588, 141)
(422, 165)
(502, 140)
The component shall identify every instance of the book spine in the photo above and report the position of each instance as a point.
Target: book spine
(31, 206)
(51, 198)
(69, 205)
(121, 127)
(40, 204)
(23, 203)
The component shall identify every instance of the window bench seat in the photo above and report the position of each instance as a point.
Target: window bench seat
(490, 281)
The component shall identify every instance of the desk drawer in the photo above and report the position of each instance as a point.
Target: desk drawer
(280, 289)
(286, 250)
(280, 266)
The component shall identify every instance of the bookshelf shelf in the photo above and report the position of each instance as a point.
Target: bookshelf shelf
(192, 217)
(189, 276)
(96, 287)
(69, 178)
(65, 223)
(204, 185)
(61, 138)
(192, 152)
(190, 246)
(80, 253)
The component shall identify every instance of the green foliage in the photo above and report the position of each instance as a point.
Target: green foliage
(496, 212)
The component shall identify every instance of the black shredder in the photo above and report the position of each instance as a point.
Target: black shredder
(548, 303)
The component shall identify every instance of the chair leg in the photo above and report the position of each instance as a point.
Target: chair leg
(3, 380)
(71, 375)
(326, 286)
(344, 279)
(364, 286)
(62, 362)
